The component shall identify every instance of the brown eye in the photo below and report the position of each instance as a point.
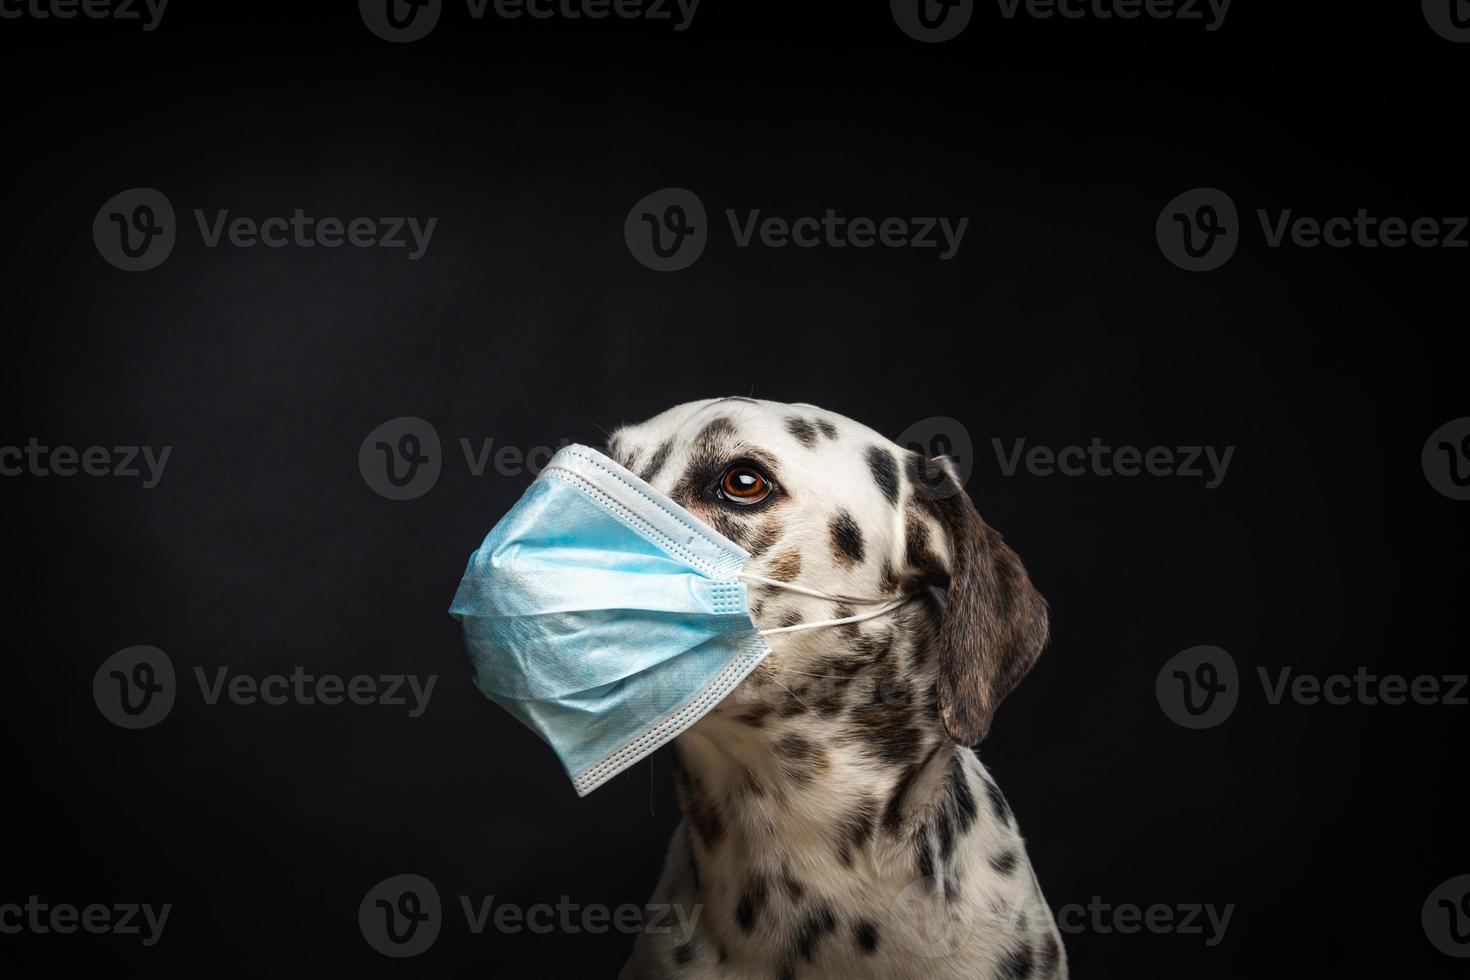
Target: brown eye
(744, 485)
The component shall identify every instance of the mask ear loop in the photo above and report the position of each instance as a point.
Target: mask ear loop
(880, 611)
(792, 587)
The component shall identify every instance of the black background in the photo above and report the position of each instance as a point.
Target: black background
(528, 321)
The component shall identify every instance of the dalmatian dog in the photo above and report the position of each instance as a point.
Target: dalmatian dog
(835, 821)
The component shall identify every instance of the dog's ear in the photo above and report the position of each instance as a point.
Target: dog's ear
(995, 622)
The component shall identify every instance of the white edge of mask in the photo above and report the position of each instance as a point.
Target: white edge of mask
(755, 650)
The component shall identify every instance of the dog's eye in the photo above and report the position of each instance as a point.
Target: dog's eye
(744, 485)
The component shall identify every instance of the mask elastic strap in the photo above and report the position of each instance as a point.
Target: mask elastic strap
(880, 611)
(792, 587)
(888, 605)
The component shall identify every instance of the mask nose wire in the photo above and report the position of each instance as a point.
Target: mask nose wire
(792, 587)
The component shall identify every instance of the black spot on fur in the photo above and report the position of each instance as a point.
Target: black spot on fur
(931, 480)
(656, 461)
(923, 621)
(951, 887)
(865, 934)
(751, 784)
(715, 430)
(816, 925)
(785, 567)
(750, 905)
(804, 431)
(793, 888)
(964, 800)
(924, 858)
(827, 694)
(828, 429)
(788, 972)
(1016, 962)
(791, 617)
(701, 809)
(886, 721)
(885, 472)
(693, 861)
(1051, 955)
(737, 529)
(856, 829)
(754, 716)
(802, 759)
(923, 564)
(847, 539)
(686, 952)
(998, 804)
(893, 814)
(1005, 862)
(765, 534)
(944, 832)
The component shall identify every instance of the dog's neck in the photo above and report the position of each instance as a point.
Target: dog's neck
(829, 793)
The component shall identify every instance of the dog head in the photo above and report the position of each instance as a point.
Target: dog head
(825, 502)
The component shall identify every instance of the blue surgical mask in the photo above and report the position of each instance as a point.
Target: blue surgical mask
(608, 619)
